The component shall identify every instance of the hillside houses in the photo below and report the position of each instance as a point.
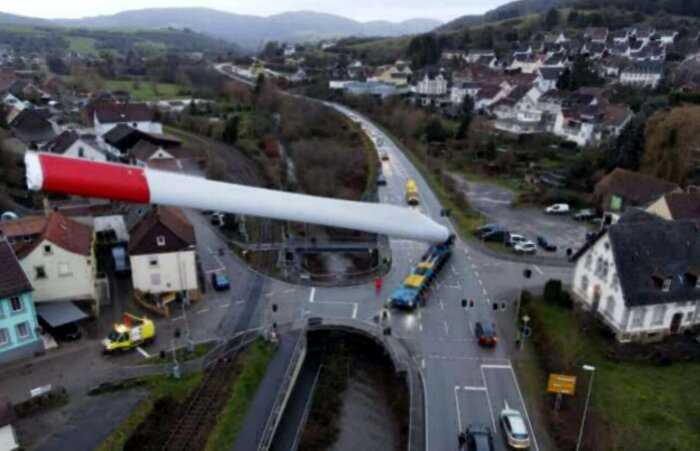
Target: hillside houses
(645, 74)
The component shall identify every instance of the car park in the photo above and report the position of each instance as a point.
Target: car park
(514, 428)
(525, 247)
(558, 209)
(546, 245)
(585, 215)
(478, 438)
(486, 333)
(220, 281)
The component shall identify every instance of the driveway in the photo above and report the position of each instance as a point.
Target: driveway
(495, 202)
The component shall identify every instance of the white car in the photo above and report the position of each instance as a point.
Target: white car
(516, 239)
(514, 428)
(525, 247)
(558, 209)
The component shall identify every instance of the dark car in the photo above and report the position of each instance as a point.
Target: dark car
(220, 281)
(381, 180)
(65, 332)
(479, 438)
(585, 215)
(486, 333)
(546, 245)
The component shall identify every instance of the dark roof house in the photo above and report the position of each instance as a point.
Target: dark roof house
(32, 128)
(622, 188)
(162, 230)
(112, 113)
(13, 280)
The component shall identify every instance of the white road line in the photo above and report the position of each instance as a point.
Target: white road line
(354, 311)
(474, 388)
(240, 302)
(204, 310)
(447, 329)
(225, 305)
(537, 268)
(422, 363)
(442, 305)
(488, 398)
(522, 401)
(420, 327)
(215, 270)
(497, 367)
(289, 290)
(454, 271)
(485, 292)
(312, 295)
(481, 282)
(177, 318)
(459, 413)
(476, 273)
(142, 352)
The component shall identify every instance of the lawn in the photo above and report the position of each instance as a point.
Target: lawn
(243, 391)
(635, 406)
(146, 90)
(82, 45)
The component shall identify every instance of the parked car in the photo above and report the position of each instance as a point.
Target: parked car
(558, 209)
(525, 247)
(546, 245)
(63, 333)
(217, 219)
(381, 180)
(516, 238)
(585, 215)
(499, 235)
(486, 333)
(384, 156)
(220, 281)
(122, 264)
(479, 438)
(488, 228)
(514, 428)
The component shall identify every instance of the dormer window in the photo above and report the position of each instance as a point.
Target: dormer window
(666, 284)
(692, 278)
(160, 240)
(47, 249)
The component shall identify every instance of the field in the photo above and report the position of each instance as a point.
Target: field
(147, 91)
(82, 45)
(635, 406)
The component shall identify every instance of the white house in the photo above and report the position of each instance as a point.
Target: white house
(433, 83)
(667, 37)
(645, 74)
(547, 78)
(106, 116)
(459, 92)
(474, 55)
(528, 63)
(162, 251)
(641, 277)
(57, 255)
(71, 144)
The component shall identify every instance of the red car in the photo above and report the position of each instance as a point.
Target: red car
(486, 334)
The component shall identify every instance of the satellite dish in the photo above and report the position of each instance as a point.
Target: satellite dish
(9, 216)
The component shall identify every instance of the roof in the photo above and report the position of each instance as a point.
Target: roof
(109, 113)
(62, 142)
(596, 33)
(172, 219)
(634, 187)
(656, 248)
(69, 235)
(551, 73)
(616, 115)
(30, 126)
(13, 281)
(645, 67)
(684, 205)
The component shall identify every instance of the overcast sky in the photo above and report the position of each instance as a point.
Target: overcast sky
(363, 10)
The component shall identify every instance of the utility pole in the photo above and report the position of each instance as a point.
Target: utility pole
(590, 369)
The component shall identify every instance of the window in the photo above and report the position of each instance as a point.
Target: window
(16, 304)
(667, 284)
(40, 272)
(155, 279)
(659, 314)
(4, 337)
(615, 282)
(688, 317)
(599, 266)
(153, 261)
(63, 269)
(610, 305)
(23, 330)
(638, 316)
(47, 249)
(605, 270)
(160, 240)
(589, 261)
(584, 283)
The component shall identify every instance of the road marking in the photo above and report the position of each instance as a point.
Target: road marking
(215, 270)
(204, 310)
(442, 305)
(420, 327)
(177, 318)
(474, 388)
(226, 305)
(474, 266)
(447, 329)
(537, 268)
(485, 292)
(312, 295)
(459, 413)
(454, 271)
(242, 301)
(488, 397)
(476, 273)
(288, 290)
(354, 311)
(497, 367)
(142, 352)
(522, 401)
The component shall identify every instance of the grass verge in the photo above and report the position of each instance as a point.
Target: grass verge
(245, 386)
(144, 91)
(160, 387)
(200, 350)
(635, 406)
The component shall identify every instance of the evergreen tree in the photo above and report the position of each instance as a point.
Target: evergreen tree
(230, 133)
(551, 20)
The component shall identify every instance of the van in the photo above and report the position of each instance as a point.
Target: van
(122, 265)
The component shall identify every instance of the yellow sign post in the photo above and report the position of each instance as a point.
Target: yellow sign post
(561, 383)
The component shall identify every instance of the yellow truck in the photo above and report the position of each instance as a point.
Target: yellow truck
(412, 192)
(132, 332)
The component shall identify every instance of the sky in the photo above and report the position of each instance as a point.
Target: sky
(363, 10)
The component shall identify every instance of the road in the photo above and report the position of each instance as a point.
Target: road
(464, 383)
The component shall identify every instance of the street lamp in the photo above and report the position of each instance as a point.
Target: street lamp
(590, 369)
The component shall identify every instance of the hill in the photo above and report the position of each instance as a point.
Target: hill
(246, 30)
(510, 10)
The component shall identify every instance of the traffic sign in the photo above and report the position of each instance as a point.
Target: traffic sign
(527, 331)
(561, 383)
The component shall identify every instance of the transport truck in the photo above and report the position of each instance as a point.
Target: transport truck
(130, 333)
(412, 193)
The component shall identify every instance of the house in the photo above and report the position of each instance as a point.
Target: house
(487, 96)
(374, 88)
(556, 38)
(57, 255)
(594, 50)
(474, 54)
(450, 55)
(460, 91)
(432, 83)
(615, 118)
(641, 277)
(162, 251)
(622, 189)
(290, 50)
(650, 52)
(644, 35)
(645, 74)
(558, 60)
(19, 337)
(676, 206)
(106, 116)
(620, 36)
(666, 37)
(397, 74)
(528, 63)
(519, 112)
(577, 124)
(122, 138)
(547, 78)
(596, 34)
(32, 127)
(71, 144)
(610, 66)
